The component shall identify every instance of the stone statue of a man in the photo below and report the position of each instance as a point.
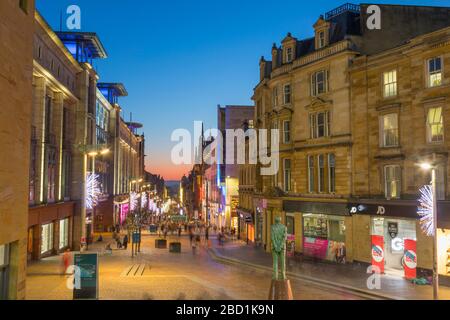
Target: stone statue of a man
(278, 237)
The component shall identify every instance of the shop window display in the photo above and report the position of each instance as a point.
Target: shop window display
(394, 233)
(47, 238)
(324, 237)
(63, 233)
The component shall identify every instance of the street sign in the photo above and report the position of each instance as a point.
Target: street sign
(88, 266)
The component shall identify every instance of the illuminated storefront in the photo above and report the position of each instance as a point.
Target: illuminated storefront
(324, 237)
(444, 252)
(46, 238)
(317, 230)
(394, 233)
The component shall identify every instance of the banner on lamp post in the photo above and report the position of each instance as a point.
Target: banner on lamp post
(378, 253)
(410, 259)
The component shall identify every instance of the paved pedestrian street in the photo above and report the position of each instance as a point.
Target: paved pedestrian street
(160, 275)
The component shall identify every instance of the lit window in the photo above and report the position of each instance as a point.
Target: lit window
(435, 125)
(287, 175)
(287, 94)
(390, 84)
(286, 131)
(63, 233)
(311, 170)
(47, 238)
(392, 177)
(434, 72)
(389, 130)
(319, 83)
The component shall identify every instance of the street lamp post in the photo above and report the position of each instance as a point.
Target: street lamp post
(87, 151)
(432, 168)
(435, 240)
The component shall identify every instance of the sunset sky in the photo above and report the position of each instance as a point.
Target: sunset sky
(180, 59)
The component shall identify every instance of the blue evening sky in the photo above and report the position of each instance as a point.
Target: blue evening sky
(179, 59)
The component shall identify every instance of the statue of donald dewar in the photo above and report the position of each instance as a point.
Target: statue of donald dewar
(280, 288)
(278, 237)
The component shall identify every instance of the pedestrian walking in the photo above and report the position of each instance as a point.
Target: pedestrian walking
(118, 243)
(179, 230)
(207, 237)
(65, 261)
(125, 242)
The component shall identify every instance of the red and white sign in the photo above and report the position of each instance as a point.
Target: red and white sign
(410, 259)
(378, 253)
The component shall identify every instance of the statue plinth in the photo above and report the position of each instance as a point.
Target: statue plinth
(280, 290)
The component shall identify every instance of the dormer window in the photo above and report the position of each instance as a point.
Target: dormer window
(289, 55)
(321, 40)
(321, 29)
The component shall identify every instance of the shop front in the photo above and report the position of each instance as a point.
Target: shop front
(318, 230)
(395, 236)
(324, 237)
(246, 230)
(49, 230)
(104, 215)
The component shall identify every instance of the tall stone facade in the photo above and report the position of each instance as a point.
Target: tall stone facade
(357, 111)
(16, 68)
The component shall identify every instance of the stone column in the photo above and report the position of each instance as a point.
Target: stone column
(38, 121)
(58, 118)
(79, 161)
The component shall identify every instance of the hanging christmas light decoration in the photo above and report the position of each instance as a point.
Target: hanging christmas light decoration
(133, 200)
(92, 190)
(144, 200)
(425, 210)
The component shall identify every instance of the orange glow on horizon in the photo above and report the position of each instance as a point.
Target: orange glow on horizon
(169, 172)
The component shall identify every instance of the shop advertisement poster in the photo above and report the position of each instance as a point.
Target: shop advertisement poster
(317, 248)
(290, 245)
(378, 252)
(410, 259)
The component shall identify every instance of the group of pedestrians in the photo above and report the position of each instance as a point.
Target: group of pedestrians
(121, 243)
(165, 227)
(198, 235)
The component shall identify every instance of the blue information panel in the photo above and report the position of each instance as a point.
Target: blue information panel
(88, 273)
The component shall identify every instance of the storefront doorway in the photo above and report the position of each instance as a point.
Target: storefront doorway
(394, 232)
(4, 271)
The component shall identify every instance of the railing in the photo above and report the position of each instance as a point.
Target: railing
(350, 7)
(317, 55)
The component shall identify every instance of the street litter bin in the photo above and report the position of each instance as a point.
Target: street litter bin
(175, 247)
(153, 228)
(160, 244)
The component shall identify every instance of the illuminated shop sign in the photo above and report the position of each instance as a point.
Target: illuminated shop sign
(400, 210)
